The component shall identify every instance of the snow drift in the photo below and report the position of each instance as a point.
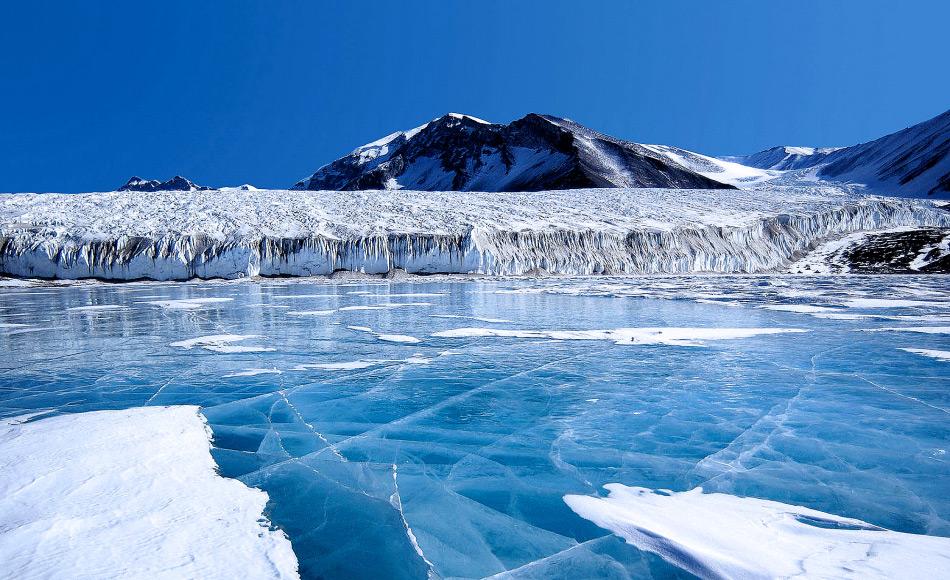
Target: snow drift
(233, 233)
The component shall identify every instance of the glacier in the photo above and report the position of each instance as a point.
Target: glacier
(236, 233)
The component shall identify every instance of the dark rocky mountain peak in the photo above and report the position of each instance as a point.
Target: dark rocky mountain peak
(177, 183)
(458, 152)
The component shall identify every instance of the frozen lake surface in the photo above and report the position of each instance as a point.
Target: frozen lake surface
(405, 430)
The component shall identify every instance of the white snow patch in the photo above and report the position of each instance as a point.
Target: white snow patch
(310, 312)
(893, 303)
(337, 366)
(476, 318)
(222, 343)
(723, 536)
(800, 308)
(187, 303)
(920, 329)
(386, 337)
(669, 335)
(254, 372)
(129, 494)
(384, 306)
(97, 308)
(937, 354)
(398, 338)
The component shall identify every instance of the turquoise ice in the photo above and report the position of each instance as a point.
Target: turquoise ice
(406, 430)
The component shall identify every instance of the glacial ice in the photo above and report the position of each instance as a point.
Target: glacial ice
(489, 433)
(234, 234)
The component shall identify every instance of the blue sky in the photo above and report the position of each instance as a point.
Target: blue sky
(265, 92)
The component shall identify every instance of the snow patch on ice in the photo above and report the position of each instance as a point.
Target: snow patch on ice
(338, 366)
(893, 303)
(920, 329)
(310, 312)
(222, 343)
(668, 335)
(97, 308)
(386, 337)
(937, 354)
(129, 494)
(253, 373)
(188, 303)
(800, 308)
(476, 318)
(723, 536)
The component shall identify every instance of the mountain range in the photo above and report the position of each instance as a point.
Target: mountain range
(459, 152)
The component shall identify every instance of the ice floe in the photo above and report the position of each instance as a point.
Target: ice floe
(129, 494)
(724, 536)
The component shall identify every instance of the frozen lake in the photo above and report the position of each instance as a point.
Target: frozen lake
(434, 428)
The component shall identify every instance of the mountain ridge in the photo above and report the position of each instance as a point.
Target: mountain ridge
(537, 152)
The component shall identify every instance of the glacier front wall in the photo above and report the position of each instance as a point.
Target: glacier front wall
(764, 245)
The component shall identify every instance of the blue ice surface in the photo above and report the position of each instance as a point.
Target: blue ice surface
(471, 443)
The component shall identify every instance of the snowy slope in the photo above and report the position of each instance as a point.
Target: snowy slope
(784, 158)
(128, 494)
(234, 233)
(534, 153)
(912, 162)
(725, 171)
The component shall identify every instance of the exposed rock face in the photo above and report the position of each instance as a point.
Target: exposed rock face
(177, 183)
(538, 152)
(913, 252)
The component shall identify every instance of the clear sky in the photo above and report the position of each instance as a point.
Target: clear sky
(266, 92)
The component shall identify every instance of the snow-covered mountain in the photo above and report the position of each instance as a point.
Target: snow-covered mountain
(177, 183)
(537, 152)
(912, 162)
(784, 158)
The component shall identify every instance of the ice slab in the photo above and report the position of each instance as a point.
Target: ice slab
(129, 494)
(718, 535)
